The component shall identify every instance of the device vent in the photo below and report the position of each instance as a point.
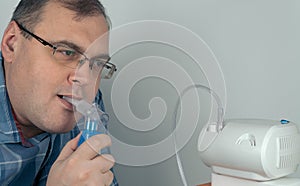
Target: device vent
(286, 143)
(288, 152)
(286, 161)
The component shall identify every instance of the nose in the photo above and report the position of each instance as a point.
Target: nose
(83, 82)
(81, 75)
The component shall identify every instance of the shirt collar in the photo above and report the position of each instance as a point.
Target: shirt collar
(8, 129)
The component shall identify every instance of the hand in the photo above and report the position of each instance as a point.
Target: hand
(83, 165)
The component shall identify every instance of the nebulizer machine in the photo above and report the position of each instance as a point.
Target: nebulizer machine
(247, 152)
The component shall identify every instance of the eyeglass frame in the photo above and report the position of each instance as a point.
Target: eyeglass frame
(112, 67)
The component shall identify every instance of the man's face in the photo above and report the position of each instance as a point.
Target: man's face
(36, 81)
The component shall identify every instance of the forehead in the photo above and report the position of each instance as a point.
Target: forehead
(60, 24)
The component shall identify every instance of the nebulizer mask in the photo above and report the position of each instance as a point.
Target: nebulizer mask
(89, 116)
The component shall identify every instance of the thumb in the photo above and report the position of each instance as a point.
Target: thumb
(69, 148)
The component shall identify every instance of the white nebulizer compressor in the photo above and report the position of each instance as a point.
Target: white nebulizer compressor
(251, 152)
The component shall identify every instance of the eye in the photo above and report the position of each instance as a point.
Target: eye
(66, 54)
(99, 63)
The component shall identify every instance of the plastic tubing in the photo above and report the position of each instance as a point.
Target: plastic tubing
(219, 121)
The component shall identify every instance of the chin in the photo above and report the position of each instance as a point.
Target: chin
(60, 131)
(63, 128)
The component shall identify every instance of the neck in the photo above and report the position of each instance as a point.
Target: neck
(28, 131)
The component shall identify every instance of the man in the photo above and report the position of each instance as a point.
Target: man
(43, 53)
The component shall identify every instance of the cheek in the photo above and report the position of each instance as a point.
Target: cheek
(41, 78)
(97, 85)
(91, 90)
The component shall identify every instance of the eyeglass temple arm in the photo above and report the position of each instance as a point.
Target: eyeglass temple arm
(45, 43)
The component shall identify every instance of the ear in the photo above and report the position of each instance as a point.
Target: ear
(9, 41)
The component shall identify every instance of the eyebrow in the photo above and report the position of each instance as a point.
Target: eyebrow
(101, 56)
(79, 49)
(69, 44)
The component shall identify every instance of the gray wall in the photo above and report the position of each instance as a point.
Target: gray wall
(256, 43)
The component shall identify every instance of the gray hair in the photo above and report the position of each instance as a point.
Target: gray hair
(29, 12)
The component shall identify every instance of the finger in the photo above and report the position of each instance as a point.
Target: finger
(69, 148)
(100, 179)
(104, 162)
(92, 146)
(109, 177)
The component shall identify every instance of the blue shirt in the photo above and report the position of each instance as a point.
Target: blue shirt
(20, 165)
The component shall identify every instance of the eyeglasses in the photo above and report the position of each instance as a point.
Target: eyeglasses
(73, 58)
